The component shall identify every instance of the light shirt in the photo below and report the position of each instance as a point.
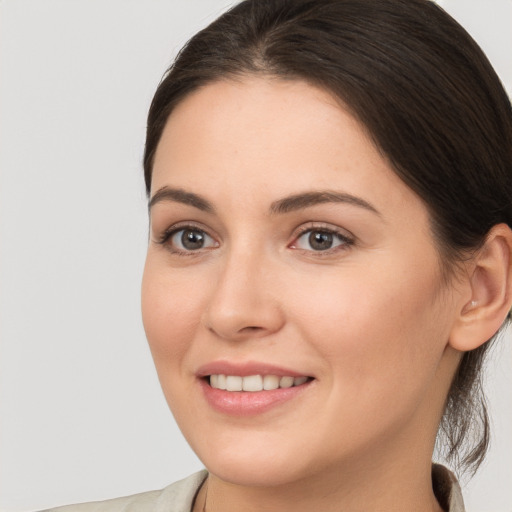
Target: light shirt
(180, 496)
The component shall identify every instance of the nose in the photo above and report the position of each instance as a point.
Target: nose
(245, 301)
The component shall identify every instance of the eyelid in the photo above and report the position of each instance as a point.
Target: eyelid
(342, 234)
(165, 236)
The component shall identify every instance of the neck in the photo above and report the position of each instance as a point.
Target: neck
(382, 489)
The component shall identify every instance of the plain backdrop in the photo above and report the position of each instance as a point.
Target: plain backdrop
(82, 416)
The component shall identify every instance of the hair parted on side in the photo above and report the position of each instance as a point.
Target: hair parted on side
(429, 99)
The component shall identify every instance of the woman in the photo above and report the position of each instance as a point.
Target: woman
(329, 255)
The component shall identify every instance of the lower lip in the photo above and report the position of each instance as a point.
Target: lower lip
(248, 403)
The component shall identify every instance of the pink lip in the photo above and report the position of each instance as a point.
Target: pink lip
(247, 403)
(245, 369)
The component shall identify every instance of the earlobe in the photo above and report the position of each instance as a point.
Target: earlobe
(490, 288)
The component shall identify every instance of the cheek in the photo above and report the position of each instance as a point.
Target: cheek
(171, 311)
(380, 336)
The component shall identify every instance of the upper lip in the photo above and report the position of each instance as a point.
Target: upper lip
(244, 369)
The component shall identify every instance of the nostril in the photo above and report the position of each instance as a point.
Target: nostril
(243, 321)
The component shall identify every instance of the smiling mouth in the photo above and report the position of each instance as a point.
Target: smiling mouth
(253, 383)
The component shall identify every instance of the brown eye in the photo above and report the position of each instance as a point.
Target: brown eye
(319, 240)
(191, 239)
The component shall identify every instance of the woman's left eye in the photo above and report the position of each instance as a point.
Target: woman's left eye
(320, 240)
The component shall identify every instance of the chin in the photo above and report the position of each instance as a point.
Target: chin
(255, 459)
(263, 472)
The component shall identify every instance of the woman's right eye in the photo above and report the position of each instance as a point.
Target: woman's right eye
(188, 239)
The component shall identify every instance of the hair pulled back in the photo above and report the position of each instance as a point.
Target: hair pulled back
(429, 99)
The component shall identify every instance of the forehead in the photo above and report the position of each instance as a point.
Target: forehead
(269, 115)
(282, 136)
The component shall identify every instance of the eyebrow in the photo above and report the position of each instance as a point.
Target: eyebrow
(308, 199)
(281, 206)
(179, 195)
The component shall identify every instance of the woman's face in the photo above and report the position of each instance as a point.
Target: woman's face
(282, 245)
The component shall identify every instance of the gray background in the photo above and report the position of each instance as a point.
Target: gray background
(82, 416)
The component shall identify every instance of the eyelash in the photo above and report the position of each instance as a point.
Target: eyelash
(345, 241)
(167, 235)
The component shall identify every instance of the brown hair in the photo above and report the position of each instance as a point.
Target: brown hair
(428, 97)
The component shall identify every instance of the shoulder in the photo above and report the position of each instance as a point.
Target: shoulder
(177, 497)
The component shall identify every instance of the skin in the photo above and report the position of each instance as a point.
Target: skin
(369, 319)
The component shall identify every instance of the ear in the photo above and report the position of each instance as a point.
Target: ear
(489, 287)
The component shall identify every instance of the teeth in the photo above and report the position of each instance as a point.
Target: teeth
(286, 382)
(221, 382)
(254, 382)
(297, 381)
(234, 383)
(270, 382)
